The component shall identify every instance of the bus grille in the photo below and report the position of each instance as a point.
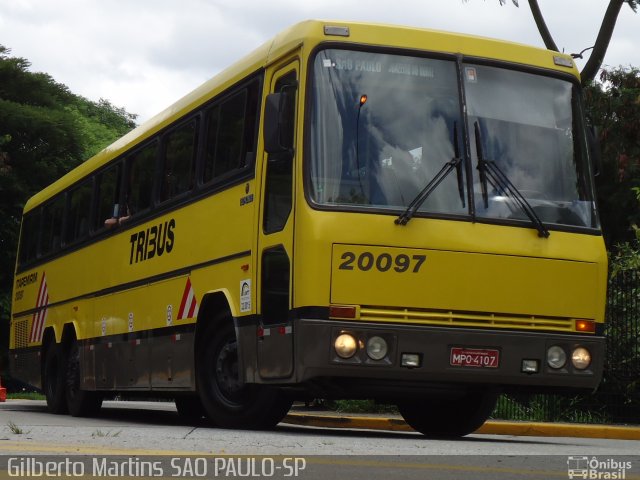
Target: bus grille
(465, 319)
(21, 334)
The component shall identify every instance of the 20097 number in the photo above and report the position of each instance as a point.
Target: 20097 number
(383, 263)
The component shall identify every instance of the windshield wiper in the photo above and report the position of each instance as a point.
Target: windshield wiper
(489, 171)
(456, 155)
(447, 168)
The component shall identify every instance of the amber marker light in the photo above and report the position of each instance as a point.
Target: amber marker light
(342, 311)
(586, 326)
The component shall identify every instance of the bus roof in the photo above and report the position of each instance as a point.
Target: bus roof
(310, 34)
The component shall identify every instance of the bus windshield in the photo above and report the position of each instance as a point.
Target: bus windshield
(382, 126)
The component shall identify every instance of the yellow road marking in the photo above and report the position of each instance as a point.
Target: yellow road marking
(91, 450)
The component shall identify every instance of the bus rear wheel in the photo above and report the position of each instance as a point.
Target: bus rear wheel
(449, 417)
(227, 401)
(53, 379)
(80, 403)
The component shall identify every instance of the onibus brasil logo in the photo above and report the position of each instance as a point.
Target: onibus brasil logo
(596, 468)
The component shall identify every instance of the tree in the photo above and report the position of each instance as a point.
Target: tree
(613, 103)
(601, 44)
(45, 131)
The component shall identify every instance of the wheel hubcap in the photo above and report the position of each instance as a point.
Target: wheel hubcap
(226, 369)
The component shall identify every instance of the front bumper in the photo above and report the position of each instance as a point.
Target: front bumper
(316, 360)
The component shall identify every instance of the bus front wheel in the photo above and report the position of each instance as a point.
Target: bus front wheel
(450, 417)
(227, 401)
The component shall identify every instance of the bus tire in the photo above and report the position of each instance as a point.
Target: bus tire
(226, 400)
(80, 403)
(452, 417)
(53, 379)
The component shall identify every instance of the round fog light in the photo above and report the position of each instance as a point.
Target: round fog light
(377, 348)
(556, 357)
(345, 345)
(581, 358)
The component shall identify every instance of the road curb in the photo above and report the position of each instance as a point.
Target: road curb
(492, 427)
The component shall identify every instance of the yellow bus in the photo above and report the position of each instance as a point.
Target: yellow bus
(351, 211)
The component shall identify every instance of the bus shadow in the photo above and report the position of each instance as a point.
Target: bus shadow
(335, 432)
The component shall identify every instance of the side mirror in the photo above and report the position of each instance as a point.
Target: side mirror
(593, 137)
(279, 120)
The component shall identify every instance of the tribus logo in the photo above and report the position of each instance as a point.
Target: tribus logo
(595, 468)
(152, 242)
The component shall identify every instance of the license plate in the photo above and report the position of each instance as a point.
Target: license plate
(474, 357)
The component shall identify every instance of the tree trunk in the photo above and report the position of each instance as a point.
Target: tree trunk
(542, 26)
(596, 58)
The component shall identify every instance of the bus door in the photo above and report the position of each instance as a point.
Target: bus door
(275, 241)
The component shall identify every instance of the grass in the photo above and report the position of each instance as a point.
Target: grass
(15, 429)
(360, 406)
(101, 434)
(25, 396)
(546, 408)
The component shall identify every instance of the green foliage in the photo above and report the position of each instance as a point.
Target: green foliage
(548, 408)
(622, 368)
(99, 123)
(360, 406)
(625, 258)
(45, 131)
(25, 396)
(613, 104)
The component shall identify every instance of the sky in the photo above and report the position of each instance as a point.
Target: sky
(143, 55)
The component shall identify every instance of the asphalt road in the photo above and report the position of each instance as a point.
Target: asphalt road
(143, 429)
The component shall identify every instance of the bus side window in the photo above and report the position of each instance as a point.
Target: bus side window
(179, 161)
(231, 128)
(138, 193)
(79, 211)
(213, 120)
(29, 236)
(225, 137)
(108, 194)
(52, 216)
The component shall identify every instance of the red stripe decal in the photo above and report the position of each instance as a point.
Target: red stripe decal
(185, 295)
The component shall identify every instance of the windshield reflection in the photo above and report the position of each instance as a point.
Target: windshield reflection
(382, 127)
(383, 151)
(528, 129)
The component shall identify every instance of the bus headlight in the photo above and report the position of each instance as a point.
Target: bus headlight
(556, 357)
(581, 358)
(345, 345)
(377, 348)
